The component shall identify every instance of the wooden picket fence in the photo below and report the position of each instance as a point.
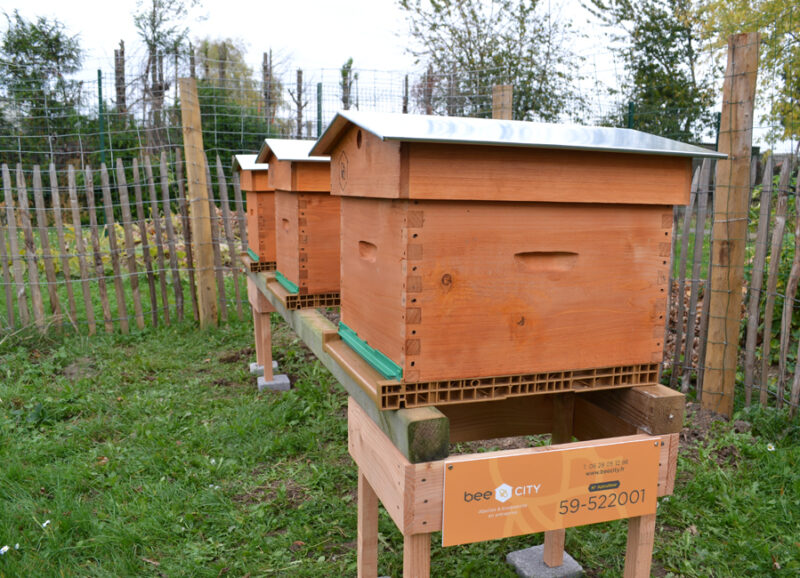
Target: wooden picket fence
(92, 237)
(769, 373)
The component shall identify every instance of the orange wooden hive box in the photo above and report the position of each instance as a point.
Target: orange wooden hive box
(260, 198)
(483, 259)
(306, 223)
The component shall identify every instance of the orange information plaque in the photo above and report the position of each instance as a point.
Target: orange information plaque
(548, 488)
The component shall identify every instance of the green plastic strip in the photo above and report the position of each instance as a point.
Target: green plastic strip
(387, 368)
(288, 285)
(252, 255)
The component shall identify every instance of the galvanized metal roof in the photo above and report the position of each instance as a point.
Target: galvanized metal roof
(248, 163)
(460, 130)
(289, 150)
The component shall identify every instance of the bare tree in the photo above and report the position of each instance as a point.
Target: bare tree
(161, 25)
(346, 82)
(297, 97)
(119, 78)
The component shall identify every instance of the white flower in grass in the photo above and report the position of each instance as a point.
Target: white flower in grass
(46, 523)
(213, 462)
(3, 550)
(770, 447)
(16, 546)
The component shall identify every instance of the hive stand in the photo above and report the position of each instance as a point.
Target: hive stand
(264, 366)
(399, 452)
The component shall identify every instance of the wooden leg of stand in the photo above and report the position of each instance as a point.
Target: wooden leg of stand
(554, 547)
(367, 529)
(257, 338)
(563, 409)
(639, 555)
(417, 556)
(263, 332)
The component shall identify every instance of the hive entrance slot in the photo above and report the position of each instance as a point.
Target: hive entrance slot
(546, 261)
(367, 251)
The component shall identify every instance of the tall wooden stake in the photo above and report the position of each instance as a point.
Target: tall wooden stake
(730, 222)
(502, 95)
(198, 201)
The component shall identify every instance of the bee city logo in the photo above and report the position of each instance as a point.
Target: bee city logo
(502, 493)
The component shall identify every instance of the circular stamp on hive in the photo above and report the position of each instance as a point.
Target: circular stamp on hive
(341, 168)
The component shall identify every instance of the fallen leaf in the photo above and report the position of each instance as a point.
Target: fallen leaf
(102, 460)
(693, 530)
(149, 561)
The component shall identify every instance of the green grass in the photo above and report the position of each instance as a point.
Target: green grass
(152, 454)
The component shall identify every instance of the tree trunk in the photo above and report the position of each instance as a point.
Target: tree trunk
(119, 79)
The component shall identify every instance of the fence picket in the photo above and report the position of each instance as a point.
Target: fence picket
(173, 256)
(215, 241)
(44, 241)
(13, 247)
(31, 258)
(55, 199)
(187, 230)
(130, 246)
(757, 279)
(788, 307)
(9, 290)
(703, 189)
(772, 275)
(99, 267)
(148, 262)
(122, 309)
(158, 239)
(80, 248)
(687, 221)
(226, 224)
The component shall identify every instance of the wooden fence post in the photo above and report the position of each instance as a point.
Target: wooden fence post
(730, 222)
(502, 95)
(198, 201)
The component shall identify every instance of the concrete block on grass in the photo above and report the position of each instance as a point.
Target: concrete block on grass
(529, 563)
(279, 383)
(257, 369)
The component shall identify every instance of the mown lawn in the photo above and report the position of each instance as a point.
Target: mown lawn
(153, 454)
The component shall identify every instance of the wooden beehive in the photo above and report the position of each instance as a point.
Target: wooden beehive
(484, 259)
(306, 223)
(260, 203)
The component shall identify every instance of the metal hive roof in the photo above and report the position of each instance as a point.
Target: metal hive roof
(289, 150)
(461, 130)
(248, 163)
